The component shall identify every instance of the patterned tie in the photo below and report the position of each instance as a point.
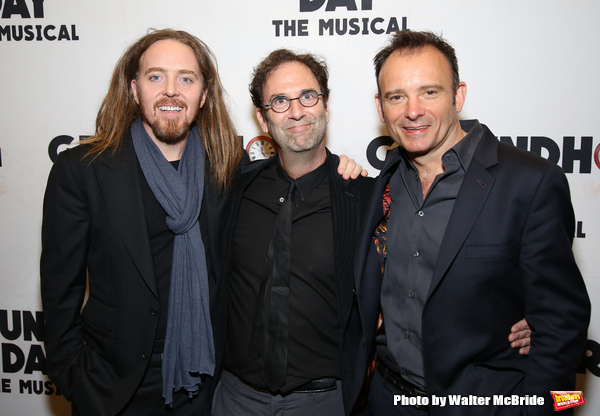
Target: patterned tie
(273, 306)
(381, 230)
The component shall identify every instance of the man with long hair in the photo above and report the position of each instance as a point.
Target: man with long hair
(131, 219)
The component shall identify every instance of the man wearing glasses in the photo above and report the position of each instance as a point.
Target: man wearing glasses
(292, 317)
(293, 329)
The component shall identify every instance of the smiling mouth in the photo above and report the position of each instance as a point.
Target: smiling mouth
(170, 108)
(298, 127)
(416, 128)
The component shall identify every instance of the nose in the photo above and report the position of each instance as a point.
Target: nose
(171, 87)
(296, 110)
(414, 108)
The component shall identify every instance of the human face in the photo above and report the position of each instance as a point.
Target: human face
(169, 91)
(418, 104)
(299, 129)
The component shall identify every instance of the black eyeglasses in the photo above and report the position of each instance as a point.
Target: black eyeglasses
(281, 103)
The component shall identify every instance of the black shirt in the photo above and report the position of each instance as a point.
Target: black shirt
(313, 347)
(161, 244)
(415, 231)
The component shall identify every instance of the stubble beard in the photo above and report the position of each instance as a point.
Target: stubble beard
(289, 141)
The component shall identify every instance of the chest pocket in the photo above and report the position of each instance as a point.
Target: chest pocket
(492, 251)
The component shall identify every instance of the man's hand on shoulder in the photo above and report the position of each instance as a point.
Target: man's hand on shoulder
(349, 169)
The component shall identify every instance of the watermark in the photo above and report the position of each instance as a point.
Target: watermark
(566, 399)
(470, 400)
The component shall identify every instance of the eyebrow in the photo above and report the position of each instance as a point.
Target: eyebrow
(301, 92)
(393, 92)
(161, 69)
(421, 88)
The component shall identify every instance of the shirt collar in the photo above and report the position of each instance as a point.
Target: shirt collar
(464, 149)
(304, 184)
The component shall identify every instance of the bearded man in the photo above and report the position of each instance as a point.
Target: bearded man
(132, 219)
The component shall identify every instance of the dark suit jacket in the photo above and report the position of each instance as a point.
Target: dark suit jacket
(348, 202)
(94, 224)
(506, 254)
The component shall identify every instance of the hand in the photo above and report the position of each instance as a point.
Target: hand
(519, 336)
(349, 169)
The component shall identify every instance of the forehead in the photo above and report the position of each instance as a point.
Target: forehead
(411, 68)
(289, 78)
(170, 55)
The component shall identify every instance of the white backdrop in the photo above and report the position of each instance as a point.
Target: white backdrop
(531, 69)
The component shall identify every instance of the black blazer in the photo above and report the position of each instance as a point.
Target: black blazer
(506, 254)
(94, 225)
(348, 202)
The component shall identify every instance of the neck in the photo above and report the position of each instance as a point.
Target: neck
(301, 163)
(432, 161)
(429, 165)
(171, 152)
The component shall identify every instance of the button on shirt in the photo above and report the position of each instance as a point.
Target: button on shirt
(313, 348)
(161, 242)
(416, 228)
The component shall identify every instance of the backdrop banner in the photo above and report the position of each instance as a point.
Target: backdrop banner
(530, 72)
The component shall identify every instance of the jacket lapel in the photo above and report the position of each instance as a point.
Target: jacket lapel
(345, 217)
(248, 173)
(477, 184)
(367, 277)
(373, 217)
(119, 181)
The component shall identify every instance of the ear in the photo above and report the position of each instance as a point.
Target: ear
(133, 87)
(203, 99)
(379, 107)
(326, 102)
(263, 123)
(460, 95)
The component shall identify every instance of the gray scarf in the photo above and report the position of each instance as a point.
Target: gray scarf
(189, 350)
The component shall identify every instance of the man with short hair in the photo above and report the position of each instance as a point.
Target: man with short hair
(293, 326)
(463, 236)
(136, 210)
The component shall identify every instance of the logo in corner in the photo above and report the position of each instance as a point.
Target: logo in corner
(566, 399)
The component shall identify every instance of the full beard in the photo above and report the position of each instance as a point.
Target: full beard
(169, 131)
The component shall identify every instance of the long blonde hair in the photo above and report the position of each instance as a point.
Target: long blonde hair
(119, 109)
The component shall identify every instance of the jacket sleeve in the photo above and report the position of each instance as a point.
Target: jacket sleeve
(65, 241)
(556, 301)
